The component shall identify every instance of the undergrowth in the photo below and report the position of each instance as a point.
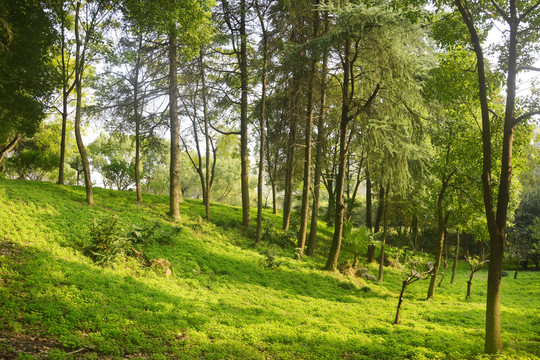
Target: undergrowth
(225, 297)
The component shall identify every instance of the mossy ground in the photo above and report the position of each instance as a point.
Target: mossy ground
(222, 301)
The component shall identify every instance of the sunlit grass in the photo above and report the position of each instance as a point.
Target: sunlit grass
(221, 300)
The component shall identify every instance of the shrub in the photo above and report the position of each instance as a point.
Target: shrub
(107, 241)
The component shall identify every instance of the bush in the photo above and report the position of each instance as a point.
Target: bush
(107, 241)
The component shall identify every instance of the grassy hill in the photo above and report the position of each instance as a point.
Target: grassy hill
(225, 298)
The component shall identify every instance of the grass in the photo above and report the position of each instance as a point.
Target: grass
(221, 301)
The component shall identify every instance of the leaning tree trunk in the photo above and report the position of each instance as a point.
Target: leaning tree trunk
(174, 174)
(9, 146)
(79, 69)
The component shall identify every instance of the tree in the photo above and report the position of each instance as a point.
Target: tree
(184, 25)
(521, 20)
(26, 49)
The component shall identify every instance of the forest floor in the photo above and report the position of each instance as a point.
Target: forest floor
(204, 290)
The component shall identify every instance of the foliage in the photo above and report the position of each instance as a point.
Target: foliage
(26, 41)
(219, 303)
(107, 241)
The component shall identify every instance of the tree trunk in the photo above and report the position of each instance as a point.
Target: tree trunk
(456, 258)
(137, 115)
(244, 152)
(400, 301)
(333, 255)
(79, 69)
(262, 125)
(369, 211)
(371, 253)
(291, 153)
(414, 229)
(380, 208)
(206, 185)
(9, 146)
(385, 230)
(304, 212)
(469, 285)
(174, 174)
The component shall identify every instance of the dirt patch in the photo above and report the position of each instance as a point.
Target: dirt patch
(14, 345)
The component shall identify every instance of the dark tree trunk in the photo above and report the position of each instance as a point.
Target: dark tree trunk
(380, 209)
(369, 210)
(333, 255)
(244, 152)
(304, 212)
(400, 301)
(174, 182)
(291, 154)
(414, 228)
(384, 201)
(262, 125)
(371, 253)
(207, 176)
(456, 258)
(319, 152)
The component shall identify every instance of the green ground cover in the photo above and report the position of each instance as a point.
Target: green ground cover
(222, 300)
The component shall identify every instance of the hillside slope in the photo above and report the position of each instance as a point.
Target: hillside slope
(224, 298)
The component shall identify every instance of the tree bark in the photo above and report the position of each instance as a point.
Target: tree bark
(174, 172)
(496, 220)
(244, 154)
(333, 255)
(319, 150)
(79, 69)
(9, 146)
(400, 301)
(291, 154)
(369, 209)
(456, 258)
(206, 182)
(384, 201)
(304, 212)
(137, 115)
(380, 210)
(262, 125)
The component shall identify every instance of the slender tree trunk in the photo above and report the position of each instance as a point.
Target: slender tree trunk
(79, 69)
(262, 125)
(244, 154)
(414, 230)
(400, 301)
(385, 230)
(65, 95)
(291, 154)
(333, 255)
(440, 244)
(456, 258)
(174, 182)
(380, 210)
(206, 185)
(319, 152)
(304, 212)
(369, 211)
(136, 113)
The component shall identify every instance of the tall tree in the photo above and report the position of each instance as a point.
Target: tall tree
(26, 45)
(521, 20)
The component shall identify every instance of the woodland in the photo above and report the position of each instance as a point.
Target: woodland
(269, 179)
